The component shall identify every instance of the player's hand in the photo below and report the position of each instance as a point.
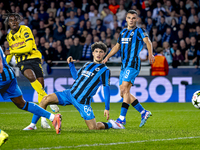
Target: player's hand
(70, 59)
(7, 52)
(105, 60)
(106, 114)
(151, 59)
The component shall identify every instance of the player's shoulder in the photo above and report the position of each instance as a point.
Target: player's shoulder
(141, 29)
(24, 28)
(124, 30)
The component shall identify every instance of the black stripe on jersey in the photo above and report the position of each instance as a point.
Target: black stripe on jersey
(34, 49)
(88, 100)
(13, 38)
(129, 48)
(89, 90)
(82, 78)
(28, 39)
(3, 76)
(8, 72)
(26, 56)
(87, 82)
(124, 45)
(13, 71)
(136, 50)
(21, 57)
(21, 46)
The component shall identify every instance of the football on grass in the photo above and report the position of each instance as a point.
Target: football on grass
(196, 99)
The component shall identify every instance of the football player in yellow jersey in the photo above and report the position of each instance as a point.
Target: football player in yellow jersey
(28, 58)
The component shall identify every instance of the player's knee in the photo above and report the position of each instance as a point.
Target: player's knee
(123, 91)
(92, 127)
(45, 100)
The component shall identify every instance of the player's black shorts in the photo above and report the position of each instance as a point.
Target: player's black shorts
(33, 64)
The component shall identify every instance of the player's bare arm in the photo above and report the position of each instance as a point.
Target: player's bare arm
(150, 51)
(106, 114)
(114, 50)
(1, 65)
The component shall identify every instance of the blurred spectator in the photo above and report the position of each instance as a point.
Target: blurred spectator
(190, 53)
(134, 3)
(17, 10)
(197, 54)
(156, 10)
(47, 34)
(61, 8)
(174, 46)
(121, 13)
(95, 39)
(100, 27)
(91, 12)
(88, 27)
(41, 30)
(25, 9)
(149, 25)
(60, 55)
(103, 36)
(94, 33)
(167, 36)
(175, 28)
(109, 33)
(72, 8)
(52, 9)
(86, 18)
(35, 22)
(42, 14)
(49, 23)
(48, 53)
(87, 52)
(80, 28)
(66, 46)
(3, 37)
(169, 8)
(180, 36)
(85, 6)
(113, 7)
(168, 53)
(155, 36)
(183, 47)
(83, 37)
(102, 5)
(54, 45)
(139, 22)
(162, 26)
(148, 15)
(160, 66)
(155, 46)
(191, 17)
(93, 19)
(192, 31)
(108, 43)
(172, 16)
(196, 21)
(108, 19)
(198, 34)
(41, 45)
(76, 50)
(72, 21)
(32, 9)
(187, 40)
(59, 35)
(79, 14)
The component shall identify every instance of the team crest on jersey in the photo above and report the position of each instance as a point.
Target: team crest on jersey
(97, 69)
(132, 33)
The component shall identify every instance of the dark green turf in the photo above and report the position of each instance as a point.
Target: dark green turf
(166, 129)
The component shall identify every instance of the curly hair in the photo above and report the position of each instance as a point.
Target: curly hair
(99, 45)
(7, 15)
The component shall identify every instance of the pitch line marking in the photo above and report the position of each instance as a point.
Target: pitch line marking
(110, 144)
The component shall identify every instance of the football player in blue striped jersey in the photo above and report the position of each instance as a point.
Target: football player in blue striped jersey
(130, 42)
(87, 81)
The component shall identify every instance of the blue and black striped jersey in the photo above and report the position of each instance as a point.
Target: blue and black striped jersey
(88, 80)
(8, 73)
(131, 42)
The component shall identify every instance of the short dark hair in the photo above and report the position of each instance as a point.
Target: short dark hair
(99, 45)
(132, 12)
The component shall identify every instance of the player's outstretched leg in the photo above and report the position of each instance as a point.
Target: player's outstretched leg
(3, 137)
(115, 124)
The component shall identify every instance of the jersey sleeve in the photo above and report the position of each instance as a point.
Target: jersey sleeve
(143, 33)
(106, 78)
(27, 34)
(119, 39)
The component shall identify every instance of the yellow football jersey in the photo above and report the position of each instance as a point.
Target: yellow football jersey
(18, 40)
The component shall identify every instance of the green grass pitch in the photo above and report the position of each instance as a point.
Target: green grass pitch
(172, 126)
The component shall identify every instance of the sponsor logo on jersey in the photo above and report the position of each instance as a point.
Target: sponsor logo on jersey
(126, 40)
(17, 44)
(87, 73)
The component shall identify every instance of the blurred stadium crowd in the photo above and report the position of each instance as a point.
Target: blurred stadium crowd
(65, 28)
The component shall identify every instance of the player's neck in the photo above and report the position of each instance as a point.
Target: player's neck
(15, 30)
(130, 28)
(97, 62)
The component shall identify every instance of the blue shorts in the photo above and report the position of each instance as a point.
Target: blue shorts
(10, 89)
(128, 74)
(65, 98)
